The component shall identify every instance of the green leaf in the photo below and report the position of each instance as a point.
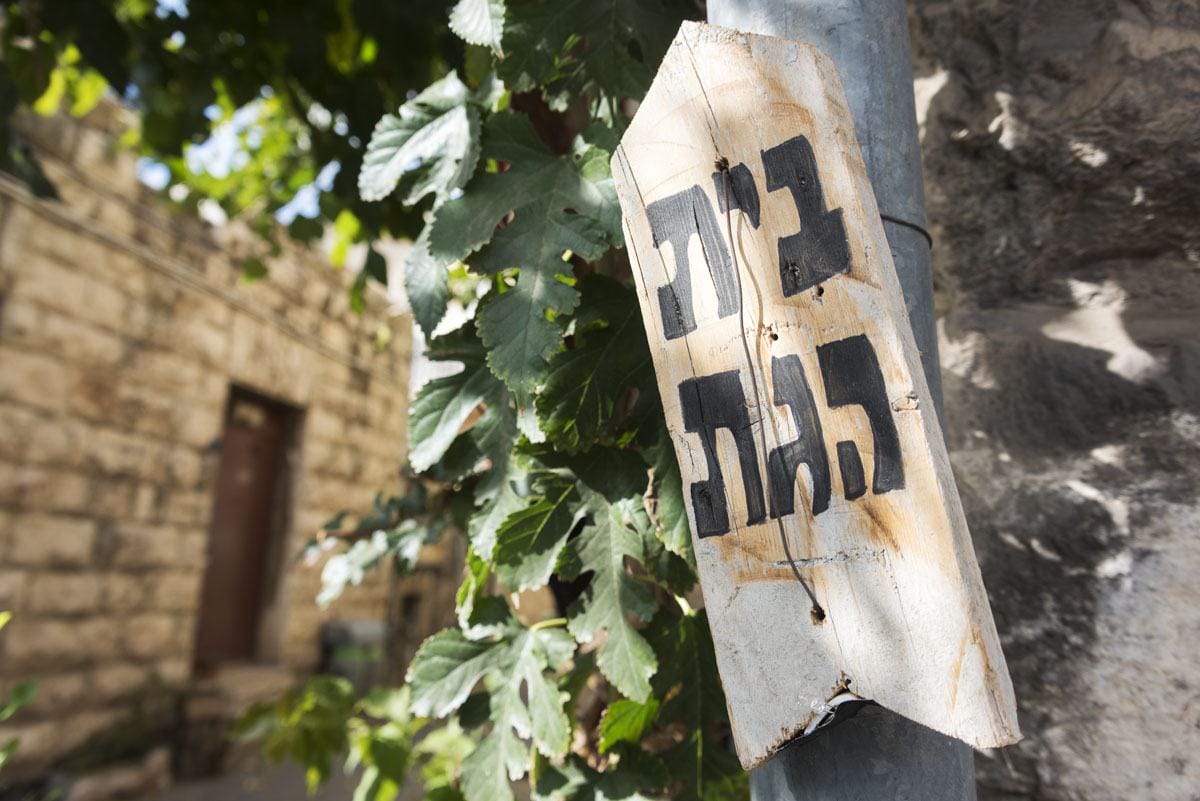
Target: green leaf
(387, 755)
(21, 696)
(542, 718)
(346, 230)
(485, 524)
(307, 725)
(486, 773)
(89, 91)
(253, 269)
(622, 43)
(443, 405)
(519, 333)
(551, 205)
(688, 681)
(529, 541)
(613, 595)
(610, 361)
(670, 513)
(669, 570)
(8, 750)
(447, 666)
(427, 285)
(474, 584)
(430, 146)
(558, 202)
(479, 22)
(348, 568)
(625, 721)
(494, 435)
(551, 729)
(635, 776)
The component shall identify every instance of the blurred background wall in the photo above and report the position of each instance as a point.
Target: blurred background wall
(1061, 163)
(146, 393)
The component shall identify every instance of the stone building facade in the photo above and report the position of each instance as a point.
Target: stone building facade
(129, 344)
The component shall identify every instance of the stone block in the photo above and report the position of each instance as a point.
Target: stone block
(143, 409)
(175, 671)
(199, 423)
(166, 372)
(324, 424)
(37, 438)
(35, 645)
(71, 291)
(149, 636)
(123, 592)
(35, 379)
(187, 507)
(52, 332)
(112, 497)
(148, 502)
(43, 540)
(175, 591)
(205, 342)
(117, 219)
(184, 467)
(53, 594)
(273, 364)
(41, 488)
(119, 453)
(201, 307)
(58, 692)
(13, 583)
(193, 549)
(40, 744)
(106, 164)
(141, 545)
(116, 680)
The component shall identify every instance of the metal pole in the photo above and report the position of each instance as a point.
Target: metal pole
(875, 755)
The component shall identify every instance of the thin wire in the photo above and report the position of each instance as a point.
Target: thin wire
(817, 612)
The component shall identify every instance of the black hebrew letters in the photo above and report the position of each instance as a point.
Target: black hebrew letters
(854, 483)
(791, 390)
(820, 250)
(736, 190)
(710, 403)
(849, 367)
(676, 219)
(852, 376)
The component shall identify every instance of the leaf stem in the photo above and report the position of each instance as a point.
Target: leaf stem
(553, 622)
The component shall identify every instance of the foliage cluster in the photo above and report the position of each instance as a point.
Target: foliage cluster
(547, 448)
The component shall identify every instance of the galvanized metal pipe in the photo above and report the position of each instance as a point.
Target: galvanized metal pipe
(876, 755)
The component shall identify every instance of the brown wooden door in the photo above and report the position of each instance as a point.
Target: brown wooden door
(248, 482)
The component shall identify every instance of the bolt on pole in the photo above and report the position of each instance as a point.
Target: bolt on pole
(875, 755)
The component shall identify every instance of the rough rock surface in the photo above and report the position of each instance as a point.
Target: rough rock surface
(1063, 180)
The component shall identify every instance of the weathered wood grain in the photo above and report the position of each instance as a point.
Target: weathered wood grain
(793, 390)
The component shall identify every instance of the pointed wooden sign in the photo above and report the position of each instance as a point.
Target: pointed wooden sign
(831, 542)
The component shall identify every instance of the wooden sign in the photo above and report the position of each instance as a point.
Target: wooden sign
(831, 543)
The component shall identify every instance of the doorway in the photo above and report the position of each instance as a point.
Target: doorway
(246, 534)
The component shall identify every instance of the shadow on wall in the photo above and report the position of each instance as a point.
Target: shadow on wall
(1061, 176)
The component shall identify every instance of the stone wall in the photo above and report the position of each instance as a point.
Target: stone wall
(1063, 182)
(122, 327)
